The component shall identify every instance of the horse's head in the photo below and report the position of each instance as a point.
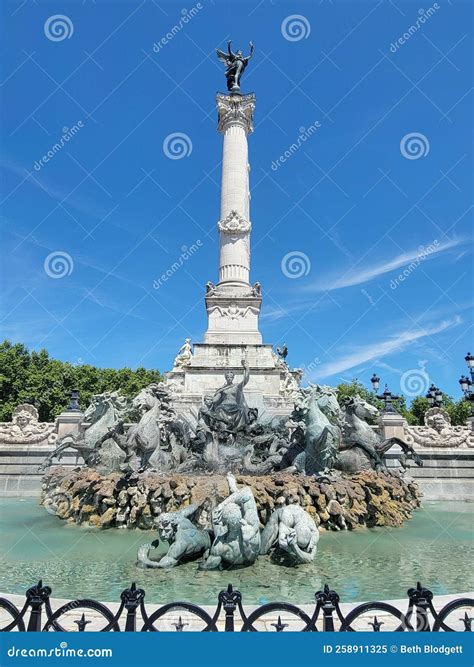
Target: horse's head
(326, 398)
(145, 399)
(101, 404)
(149, 396)
(320, 397)
(362, 409)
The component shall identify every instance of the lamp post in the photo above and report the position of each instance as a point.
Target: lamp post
(375, 382)
(467, 384)
(74, 401)
(387, 397)
(434, 396)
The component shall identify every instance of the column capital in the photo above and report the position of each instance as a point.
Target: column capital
(235, 110)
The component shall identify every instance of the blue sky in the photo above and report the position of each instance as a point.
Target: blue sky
(359, 201)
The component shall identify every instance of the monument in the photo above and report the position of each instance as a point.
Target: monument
(233, 304)
(230, 406)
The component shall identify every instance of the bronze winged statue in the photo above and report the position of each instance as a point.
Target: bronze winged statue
(235, 64)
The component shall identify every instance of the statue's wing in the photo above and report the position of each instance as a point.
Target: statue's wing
(223, 57)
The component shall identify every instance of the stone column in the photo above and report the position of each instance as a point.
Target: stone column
(235, 116)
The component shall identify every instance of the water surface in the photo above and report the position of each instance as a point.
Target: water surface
(436, 547)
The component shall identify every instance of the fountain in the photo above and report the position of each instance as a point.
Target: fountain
(230, 458)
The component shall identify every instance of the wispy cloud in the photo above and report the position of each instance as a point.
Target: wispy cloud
(359, 275)
(383, 348)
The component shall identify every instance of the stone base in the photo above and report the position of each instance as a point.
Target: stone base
(343, 502)
(206, 373)
(446, 474)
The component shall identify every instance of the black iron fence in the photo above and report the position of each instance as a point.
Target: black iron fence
(37, 614)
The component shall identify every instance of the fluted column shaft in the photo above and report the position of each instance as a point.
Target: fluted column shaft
(235, 123)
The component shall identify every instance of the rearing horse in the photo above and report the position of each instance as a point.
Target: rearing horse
(362, 447)
(321, 412)
(104, 413)
(155, 439)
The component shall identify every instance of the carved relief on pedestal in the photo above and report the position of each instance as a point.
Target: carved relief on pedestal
(234, 312)
(25, 427)
(439, 432)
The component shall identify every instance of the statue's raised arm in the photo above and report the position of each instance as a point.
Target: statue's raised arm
(252, 49)
(246, 377)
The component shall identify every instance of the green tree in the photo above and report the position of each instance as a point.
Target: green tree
(458, 411)
(34, 377)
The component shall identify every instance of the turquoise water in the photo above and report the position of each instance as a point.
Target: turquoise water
(436, 548)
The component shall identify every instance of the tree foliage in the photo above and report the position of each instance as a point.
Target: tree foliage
(34, 377)
(459, 410)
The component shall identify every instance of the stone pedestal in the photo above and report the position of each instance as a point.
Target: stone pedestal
(68, 423)
(392, 425)
(206, 373)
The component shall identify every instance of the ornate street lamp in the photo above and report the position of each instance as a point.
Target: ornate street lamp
(74, 401)
(387, 397)
(434, 396)
(375, 382)
(467, 385)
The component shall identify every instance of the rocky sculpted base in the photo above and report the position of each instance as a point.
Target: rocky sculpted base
(337, 501)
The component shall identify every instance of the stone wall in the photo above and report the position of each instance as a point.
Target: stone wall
(24, 445)
(447, 453)
(336, 502)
